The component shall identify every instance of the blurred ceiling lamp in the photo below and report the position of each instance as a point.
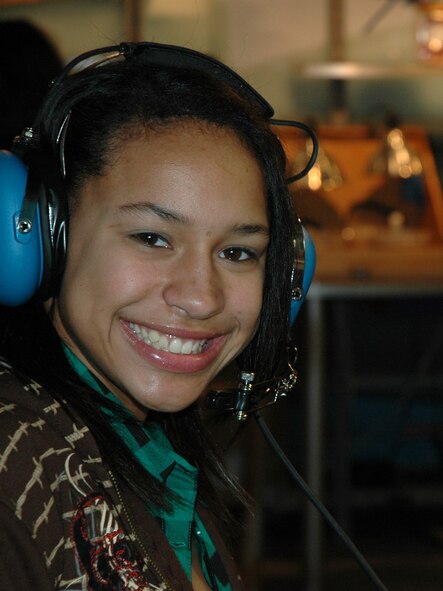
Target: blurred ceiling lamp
(325, 174)
(396, 159)
(430, 32)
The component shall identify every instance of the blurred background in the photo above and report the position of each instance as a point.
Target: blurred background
(364, 424)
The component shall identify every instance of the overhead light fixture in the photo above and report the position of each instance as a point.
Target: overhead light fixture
(430, 32)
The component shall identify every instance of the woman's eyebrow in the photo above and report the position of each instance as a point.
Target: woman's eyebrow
(164, 213)
(250, 229)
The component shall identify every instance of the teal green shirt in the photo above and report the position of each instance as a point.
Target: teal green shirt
(182, 526)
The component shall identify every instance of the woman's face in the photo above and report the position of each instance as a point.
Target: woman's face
(165, 268)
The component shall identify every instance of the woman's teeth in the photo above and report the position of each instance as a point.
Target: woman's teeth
(164, 342)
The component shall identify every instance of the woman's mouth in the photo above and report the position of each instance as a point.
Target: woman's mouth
(168, 343)
(178, 354)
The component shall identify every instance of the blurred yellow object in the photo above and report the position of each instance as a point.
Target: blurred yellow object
(430, 32)
(325, 174)
(396, 159)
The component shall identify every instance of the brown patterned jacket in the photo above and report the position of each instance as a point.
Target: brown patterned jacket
(66, 521)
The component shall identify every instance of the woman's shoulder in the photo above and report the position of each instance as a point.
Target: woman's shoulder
(49, 466)
(29, 407)
(20, 394)
(39, 439)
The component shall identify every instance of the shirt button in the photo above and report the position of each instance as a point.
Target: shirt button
(198, 532)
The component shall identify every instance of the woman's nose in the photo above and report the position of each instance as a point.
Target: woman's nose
(195, 288)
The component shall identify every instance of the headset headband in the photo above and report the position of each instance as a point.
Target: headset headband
(169, 56)
(175, 56)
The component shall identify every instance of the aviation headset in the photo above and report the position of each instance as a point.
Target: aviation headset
(33, 210)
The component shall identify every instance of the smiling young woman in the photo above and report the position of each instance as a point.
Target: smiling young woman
(165, 265)
(177, 262)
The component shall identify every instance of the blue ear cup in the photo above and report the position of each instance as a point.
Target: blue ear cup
(21, 255)
(308, 273)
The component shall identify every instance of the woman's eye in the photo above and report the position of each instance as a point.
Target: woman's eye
(151, 239)
(237, 254)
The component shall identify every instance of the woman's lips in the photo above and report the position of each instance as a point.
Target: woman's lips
(179, 354)
(169, 343)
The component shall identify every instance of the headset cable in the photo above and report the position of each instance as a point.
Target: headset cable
(307, 491)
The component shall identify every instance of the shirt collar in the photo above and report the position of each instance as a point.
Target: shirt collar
(146, 440)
